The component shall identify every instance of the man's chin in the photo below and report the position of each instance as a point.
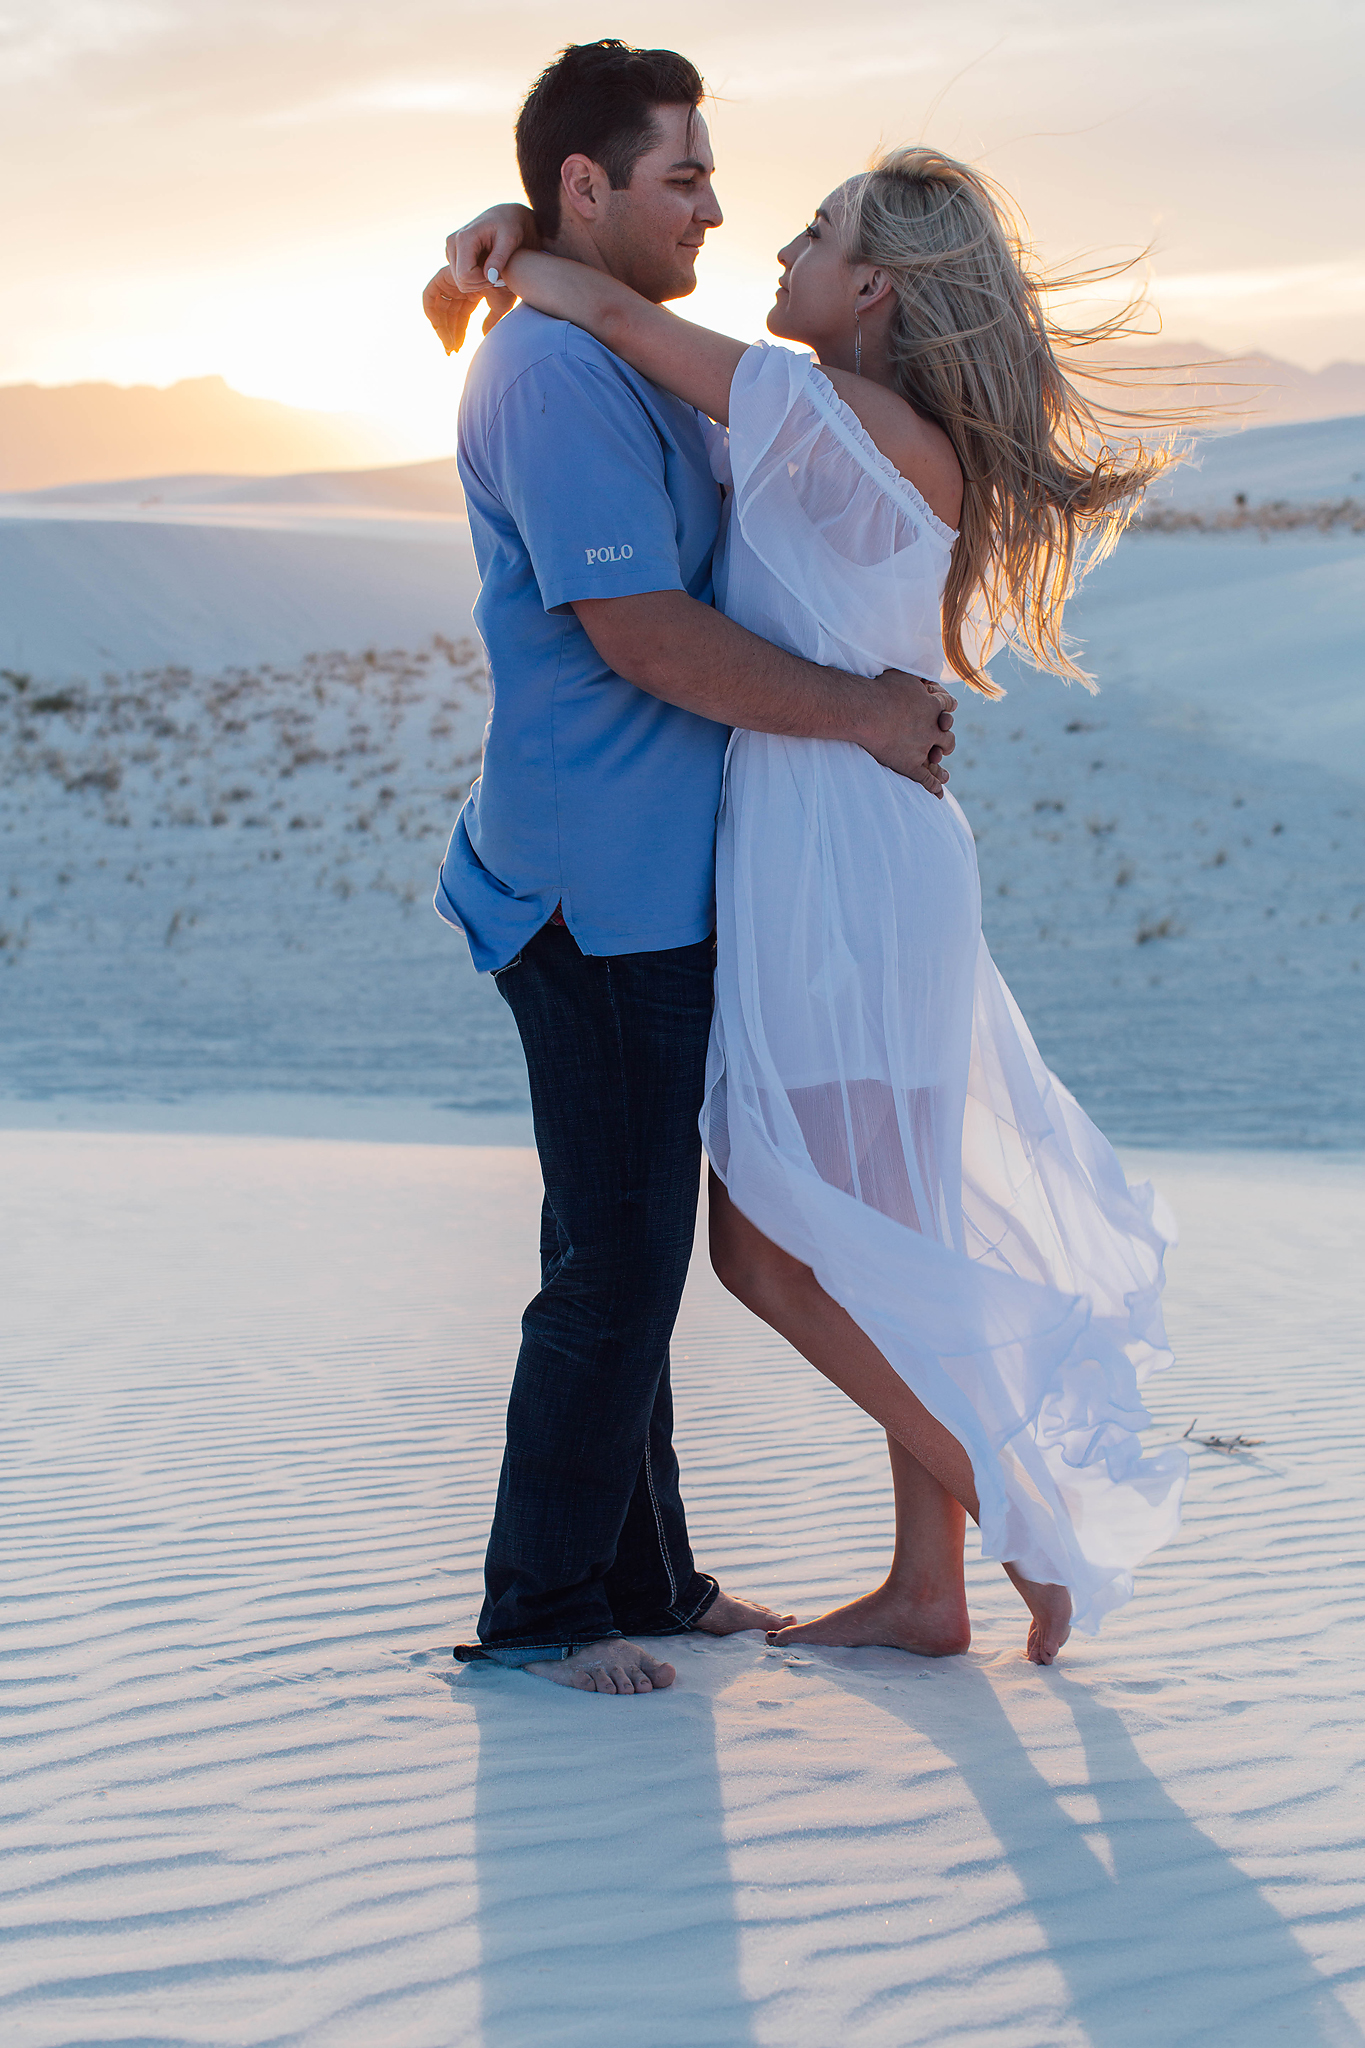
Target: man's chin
(680, 285)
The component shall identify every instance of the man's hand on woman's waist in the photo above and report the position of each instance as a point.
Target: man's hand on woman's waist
(684, 652)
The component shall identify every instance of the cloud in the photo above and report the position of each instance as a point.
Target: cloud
(471, 94)
(764, 81)
(40, 38)
(151, 130)
(1317, 284)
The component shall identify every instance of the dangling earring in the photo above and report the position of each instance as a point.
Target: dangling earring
(857, 343)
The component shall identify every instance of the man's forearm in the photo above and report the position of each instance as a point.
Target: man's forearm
(676, 648)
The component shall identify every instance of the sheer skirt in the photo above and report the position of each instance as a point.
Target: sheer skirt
(876, 1106)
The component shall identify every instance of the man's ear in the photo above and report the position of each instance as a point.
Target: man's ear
(585, 185)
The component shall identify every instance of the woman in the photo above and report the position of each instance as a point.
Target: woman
(899, 1186)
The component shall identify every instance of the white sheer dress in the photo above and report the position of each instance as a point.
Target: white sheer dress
(875, 1104)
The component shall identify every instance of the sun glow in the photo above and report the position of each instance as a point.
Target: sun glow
(265, 201)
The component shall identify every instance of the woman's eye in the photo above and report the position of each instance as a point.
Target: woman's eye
(812, 232)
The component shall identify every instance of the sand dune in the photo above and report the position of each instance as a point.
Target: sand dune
(1308, 462)
(82, 596)
(251, 1798)
(1213, 631)
(1174, 872)
(423, 488)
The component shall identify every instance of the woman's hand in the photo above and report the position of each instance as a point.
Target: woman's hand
(488, 242)
(449, 309)
(491, 239)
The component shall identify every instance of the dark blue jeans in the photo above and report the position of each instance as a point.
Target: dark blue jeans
(589, 1535)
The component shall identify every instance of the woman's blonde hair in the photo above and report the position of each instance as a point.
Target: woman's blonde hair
(975, 349)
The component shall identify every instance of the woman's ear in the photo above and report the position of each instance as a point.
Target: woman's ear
(874, 288)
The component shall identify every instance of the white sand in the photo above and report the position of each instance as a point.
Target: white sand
(256, 1385)
(257, 1391)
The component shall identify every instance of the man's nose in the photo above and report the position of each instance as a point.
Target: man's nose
(708, 208)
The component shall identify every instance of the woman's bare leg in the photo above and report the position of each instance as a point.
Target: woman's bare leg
(787, 1296)
(922, 1606)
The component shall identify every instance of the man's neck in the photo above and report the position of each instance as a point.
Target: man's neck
(580, 248)
(574, 242)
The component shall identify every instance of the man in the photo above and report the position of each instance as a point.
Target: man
(582, 867)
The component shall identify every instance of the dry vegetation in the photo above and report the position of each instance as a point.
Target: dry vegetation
(1278, 515)
(264, 748)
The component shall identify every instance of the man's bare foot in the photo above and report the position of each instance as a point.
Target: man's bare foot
(1050, 1607)
(728, 1616)
(890, 1619)
(615, 1666)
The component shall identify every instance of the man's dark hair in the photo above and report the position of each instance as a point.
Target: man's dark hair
(596, 100)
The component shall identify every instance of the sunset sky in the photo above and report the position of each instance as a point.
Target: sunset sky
(259, 188)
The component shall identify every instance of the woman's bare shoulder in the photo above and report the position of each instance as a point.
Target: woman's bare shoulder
(919, 449)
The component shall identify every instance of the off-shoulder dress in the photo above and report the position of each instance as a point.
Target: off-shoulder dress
(875, 1103)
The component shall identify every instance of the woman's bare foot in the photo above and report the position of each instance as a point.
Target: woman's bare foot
(729, 1616)
(892, 1618)
(1050, 1607)
(615, 1667)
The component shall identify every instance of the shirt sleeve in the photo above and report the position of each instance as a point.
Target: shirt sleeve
(579, 464)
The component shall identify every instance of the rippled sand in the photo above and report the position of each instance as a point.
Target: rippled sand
(253, 1392)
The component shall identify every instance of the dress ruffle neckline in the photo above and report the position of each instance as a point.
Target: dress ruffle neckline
(843, 416)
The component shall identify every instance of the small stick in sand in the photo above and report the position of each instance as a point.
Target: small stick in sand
(1229, 1444)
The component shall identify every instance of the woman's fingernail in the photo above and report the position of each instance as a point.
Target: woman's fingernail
(493, 276)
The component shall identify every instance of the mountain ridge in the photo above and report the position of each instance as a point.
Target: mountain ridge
(201, 442)
(1251, 389)
(55, 434)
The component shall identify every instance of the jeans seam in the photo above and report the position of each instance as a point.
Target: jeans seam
(708, 1600)
(659, 1527)
(625, 1121)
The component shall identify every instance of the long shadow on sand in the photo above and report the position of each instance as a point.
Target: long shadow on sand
(1173, 1943)
(605, 1894)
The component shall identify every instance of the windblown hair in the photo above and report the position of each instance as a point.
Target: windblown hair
(596, 100)
(976, 350)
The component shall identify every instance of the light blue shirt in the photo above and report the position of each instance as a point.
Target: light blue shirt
(582, 480)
